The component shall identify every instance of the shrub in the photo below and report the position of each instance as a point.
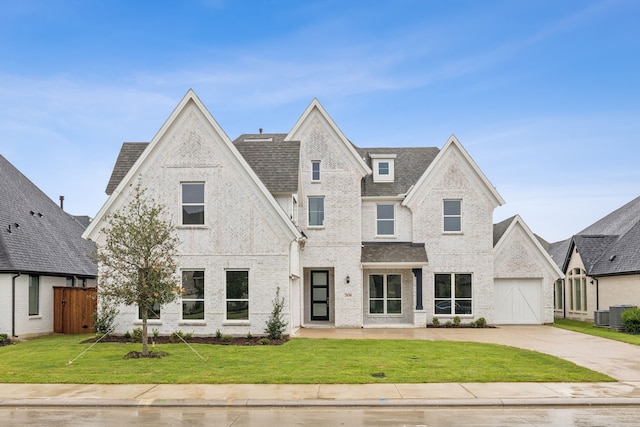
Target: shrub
(456, 320)
(435, 321)
(227, 338)
(3, 337)
(188, 336)
(631, 320)
(448, 324)
(481, 322)
(176, 336)
(218, 334)
(249, 336)
(156, 333)
(276, 324)
(127, 335)
(265, 341)
(137, 335)
(104, 318)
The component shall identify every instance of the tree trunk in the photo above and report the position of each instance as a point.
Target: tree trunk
(145, 337)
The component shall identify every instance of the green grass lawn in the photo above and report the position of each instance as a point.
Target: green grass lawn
(299, 361)
(588, 328)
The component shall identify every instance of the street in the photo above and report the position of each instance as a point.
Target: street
(280, 417)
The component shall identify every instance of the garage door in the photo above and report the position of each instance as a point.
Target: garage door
(518, 301)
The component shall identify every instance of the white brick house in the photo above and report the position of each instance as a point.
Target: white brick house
(353, 237)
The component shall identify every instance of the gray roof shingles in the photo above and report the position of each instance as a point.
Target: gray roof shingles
(409, 165)
(46, 240)
(390, 252)
(129, 153)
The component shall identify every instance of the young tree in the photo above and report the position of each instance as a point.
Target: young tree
(137, 263)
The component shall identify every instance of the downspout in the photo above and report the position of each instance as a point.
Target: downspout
(597, 293)
(13, 304)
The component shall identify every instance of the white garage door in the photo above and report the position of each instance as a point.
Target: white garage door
(518, 301)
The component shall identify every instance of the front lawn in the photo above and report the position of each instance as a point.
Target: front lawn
(299, 361)
(588, 328)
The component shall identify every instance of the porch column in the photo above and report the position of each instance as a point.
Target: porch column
(417, 272)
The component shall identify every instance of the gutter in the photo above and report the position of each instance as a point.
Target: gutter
(13, 304)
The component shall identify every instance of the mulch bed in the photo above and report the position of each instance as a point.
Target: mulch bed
(243, 341)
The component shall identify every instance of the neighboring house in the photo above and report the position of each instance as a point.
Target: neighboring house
(353, 237)
(601, 264)
(40, 248)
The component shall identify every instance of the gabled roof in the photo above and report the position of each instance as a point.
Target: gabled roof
(349, 150)
(409, 165)
(191, 99)
(558, 252)
(453, 145)
(504, 229)
(611, 245)
(274, 160)
(36, 235)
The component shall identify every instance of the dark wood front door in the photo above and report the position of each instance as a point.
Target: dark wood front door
(319, 295)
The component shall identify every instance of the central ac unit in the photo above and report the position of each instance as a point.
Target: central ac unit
(615, 315)
(601, 318)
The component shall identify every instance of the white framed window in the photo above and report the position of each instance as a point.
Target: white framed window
(192, 203)
(558, 295)
(383, 167)
(453, 294)
(153, 313)
(577, 280)
(385, 220)
(315, 170)
(34, 295)
(452, 215)
(316, 211)
(237, 294)
(192, 295)
(385, 294)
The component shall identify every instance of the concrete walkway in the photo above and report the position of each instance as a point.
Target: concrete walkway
(618, 360)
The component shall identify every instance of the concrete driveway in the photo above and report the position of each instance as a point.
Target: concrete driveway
(616, 359)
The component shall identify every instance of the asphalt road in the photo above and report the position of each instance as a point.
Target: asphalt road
(325, 417)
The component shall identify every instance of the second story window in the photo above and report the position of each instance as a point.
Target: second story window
(383, 168)
(193, 203)
(385, 222)
(452, 214)
(316, 211)
(315, 170)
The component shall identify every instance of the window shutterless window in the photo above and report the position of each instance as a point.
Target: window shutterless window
(193, 295)
(316, 211)
(385, 294)
(315, 170)
(383, 168)
(385, 222)
(192, 203)
(453, 294)
(237, 295)
(34, 295)
(452, 210)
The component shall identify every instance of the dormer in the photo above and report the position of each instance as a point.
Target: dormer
(383, 167)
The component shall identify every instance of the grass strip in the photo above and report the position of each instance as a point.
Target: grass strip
(299, 361)
(590, 329)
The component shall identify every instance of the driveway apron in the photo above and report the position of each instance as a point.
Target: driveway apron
(616, 359)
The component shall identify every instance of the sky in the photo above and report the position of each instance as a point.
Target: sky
(543, 94)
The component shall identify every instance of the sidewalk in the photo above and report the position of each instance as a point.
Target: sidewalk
(314, 395)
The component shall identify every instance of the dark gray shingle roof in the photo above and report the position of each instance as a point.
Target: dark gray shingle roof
(129, 153)
(46, 239)
(500, 228)
(276, 162)
(389, 252)
(409, 165)
(558, 252)
(622, 256)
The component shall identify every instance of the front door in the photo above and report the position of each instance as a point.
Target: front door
(319, 295)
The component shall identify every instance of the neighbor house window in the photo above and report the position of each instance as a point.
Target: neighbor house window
(193, 295)
(152, 313)
(385, 222)
(578, 289)
(453, 294)
(193, 203)
(385, 294)
(452, 210)
(316, 211)
(34, 295)
(237, 295)
(315, 170)
(558, 294)
(71, 282)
